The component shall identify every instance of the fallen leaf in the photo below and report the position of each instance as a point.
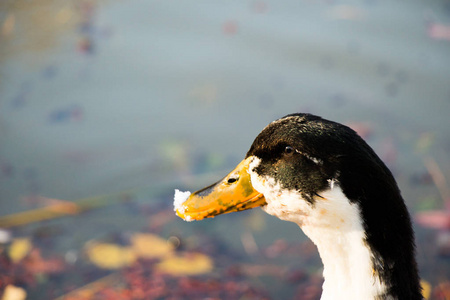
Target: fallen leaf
(19, 248)
(150, 246)
(426, 289)
(186, 264)
(14, 293)
(110, 256)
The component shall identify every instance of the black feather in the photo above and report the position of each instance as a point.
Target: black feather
(364, 179)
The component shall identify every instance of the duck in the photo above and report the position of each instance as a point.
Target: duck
(324, 177)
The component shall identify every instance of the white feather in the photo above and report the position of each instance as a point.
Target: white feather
(334, 224)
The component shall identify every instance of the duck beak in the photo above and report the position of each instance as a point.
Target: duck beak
(233, 193)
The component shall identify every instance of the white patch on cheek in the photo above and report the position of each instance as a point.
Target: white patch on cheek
(286, 205)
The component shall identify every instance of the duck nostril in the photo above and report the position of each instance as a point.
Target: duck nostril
(231, 180)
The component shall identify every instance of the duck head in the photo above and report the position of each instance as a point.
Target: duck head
(295, 157)
(324, 177)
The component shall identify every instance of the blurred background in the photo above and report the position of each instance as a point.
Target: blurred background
(107, 106)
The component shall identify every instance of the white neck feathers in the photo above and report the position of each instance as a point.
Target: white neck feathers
(339, 236)
(334, 224)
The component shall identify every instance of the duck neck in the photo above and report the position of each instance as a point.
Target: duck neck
(336, 227)
(348, 270)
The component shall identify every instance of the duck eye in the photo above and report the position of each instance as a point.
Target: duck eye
(288, 150)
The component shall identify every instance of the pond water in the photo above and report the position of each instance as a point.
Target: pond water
(124, 101)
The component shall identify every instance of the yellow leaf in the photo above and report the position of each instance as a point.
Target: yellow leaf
(426, 289)
(187, 264)
(110, 256)
(19, 249)
(14, 293)
(150, 246)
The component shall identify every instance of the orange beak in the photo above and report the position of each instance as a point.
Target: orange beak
(233, 193)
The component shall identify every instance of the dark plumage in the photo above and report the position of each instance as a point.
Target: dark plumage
(342, 155)
(324, 177)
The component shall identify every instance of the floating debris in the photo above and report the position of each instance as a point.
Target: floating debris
(110, 256)
(19, 248)
(426, 289)
(148, 246)
(12, 292)
(186, 264)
